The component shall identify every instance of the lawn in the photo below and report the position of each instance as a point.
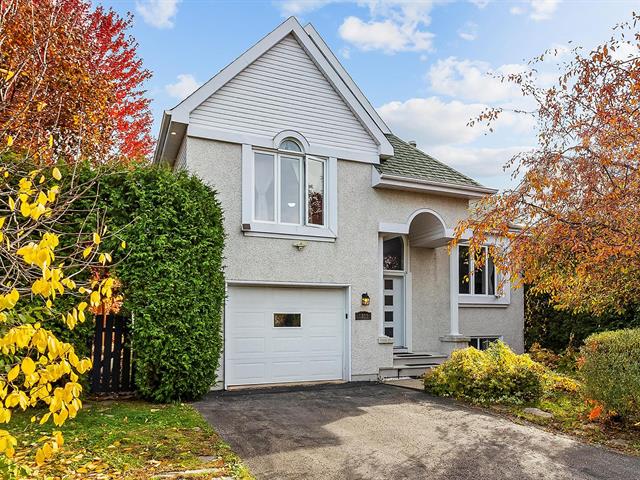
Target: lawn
(129, 440)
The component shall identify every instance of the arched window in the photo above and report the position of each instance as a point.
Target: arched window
(290, 145)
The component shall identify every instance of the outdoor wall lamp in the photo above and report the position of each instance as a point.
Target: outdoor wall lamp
(365, 299)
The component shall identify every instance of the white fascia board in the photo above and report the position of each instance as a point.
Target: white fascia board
(162, 137)
(267, 142)
(337, 66)
(427, 186)
(181, 112)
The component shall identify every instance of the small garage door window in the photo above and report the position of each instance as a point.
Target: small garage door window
(287, 319)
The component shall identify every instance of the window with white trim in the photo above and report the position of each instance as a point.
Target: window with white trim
(482, 343)
(476, 281)
(289, 187)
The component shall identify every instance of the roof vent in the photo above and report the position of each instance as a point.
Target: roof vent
(413, 143)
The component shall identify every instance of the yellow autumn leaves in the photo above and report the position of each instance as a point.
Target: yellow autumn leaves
(41, 369)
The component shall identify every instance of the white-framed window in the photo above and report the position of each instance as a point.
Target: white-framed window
(482, 343)
(287, 191)
(476, 281)
(289, 187)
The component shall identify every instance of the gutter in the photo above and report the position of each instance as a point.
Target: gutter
(415, 184)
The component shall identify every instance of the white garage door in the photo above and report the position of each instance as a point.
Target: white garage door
(277, 335)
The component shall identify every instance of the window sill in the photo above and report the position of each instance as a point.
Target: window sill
(298, 232)
(465, 300)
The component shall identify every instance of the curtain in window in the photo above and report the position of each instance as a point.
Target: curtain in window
(264, 186)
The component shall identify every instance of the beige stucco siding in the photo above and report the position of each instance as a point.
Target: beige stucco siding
(354, 257)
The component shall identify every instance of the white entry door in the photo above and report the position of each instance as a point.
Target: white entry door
(394, 324)
(279, 335)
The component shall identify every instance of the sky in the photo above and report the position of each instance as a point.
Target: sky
(428, 67)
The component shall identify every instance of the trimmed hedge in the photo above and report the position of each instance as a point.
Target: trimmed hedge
(495, 375)
(610, 367)
(171, 272)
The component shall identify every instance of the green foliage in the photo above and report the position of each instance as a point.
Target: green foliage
(495, 375)
(558, 330)
(610, 368)
(171, 272)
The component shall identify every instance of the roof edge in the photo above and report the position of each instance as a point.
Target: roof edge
(398, 182)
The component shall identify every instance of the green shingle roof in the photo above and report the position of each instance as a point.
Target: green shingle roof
(410, 162)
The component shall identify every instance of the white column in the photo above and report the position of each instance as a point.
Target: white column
(453, 291)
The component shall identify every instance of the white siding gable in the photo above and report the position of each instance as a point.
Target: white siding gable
(284, 90)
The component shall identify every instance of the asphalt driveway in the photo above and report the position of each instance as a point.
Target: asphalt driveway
(370, 431)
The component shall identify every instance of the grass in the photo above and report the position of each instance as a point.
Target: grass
(128, 440)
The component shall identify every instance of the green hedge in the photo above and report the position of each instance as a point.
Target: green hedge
(558, 330)
(610, 368)
(171, 271)
(493, 375)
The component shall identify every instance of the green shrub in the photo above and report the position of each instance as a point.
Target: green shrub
(496, 375)
(171, 272)
(610, 367)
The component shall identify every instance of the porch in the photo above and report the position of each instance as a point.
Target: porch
(419, 288)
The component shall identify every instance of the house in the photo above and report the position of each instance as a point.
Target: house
(336, 256)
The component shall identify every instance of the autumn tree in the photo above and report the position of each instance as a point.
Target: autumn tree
(70, 76)
(571, 226)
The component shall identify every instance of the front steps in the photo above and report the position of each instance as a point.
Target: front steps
(414, 364)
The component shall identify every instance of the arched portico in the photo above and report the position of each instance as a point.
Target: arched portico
(426, 228)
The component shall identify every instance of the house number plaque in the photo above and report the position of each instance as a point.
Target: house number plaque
(363, 315)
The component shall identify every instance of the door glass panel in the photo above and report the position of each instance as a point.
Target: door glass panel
(287, 319)
(388, 331)
(388, 316)
(290, 190)
(388, 299)
(388, 284)
(264, 187)
(315, 192)
(393, 254)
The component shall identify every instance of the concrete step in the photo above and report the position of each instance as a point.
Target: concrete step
(398, 371)
(418, 358)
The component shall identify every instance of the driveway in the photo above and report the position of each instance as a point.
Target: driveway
(371, 431)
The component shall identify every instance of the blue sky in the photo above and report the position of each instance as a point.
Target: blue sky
(422, 64)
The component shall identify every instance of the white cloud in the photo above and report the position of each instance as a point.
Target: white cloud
(538, 9)
(479, 162)
(543, 9)
(345, 53)
(480, 3)
(298, 7)
(472, 80)
(387, 35)
(185, 85)
(432, 121)
(469, 31)
(158, 13)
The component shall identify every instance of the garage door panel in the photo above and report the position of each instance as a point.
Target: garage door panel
(312, 351)
(249, 345)
(287, 345)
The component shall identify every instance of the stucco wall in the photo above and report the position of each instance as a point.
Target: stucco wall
(496, 321)
(352, 259)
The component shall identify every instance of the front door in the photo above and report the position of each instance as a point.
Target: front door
(394, 309)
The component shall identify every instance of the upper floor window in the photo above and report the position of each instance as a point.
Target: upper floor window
(476, 281)
(289, 187)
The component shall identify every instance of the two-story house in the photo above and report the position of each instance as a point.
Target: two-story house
(337, 259)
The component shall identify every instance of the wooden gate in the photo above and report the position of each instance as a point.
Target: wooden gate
(112, 356)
